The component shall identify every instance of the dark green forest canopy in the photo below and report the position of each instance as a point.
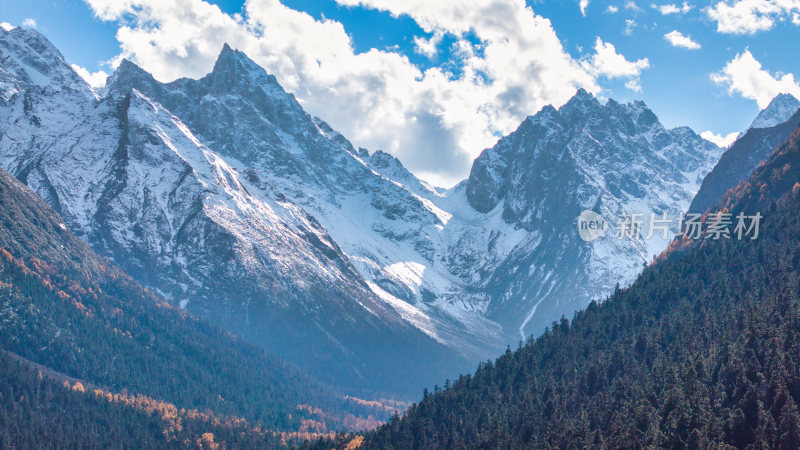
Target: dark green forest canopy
(703, 350)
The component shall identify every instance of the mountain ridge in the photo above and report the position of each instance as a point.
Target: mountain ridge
(779, 110)
(236, 204)
(740, 159)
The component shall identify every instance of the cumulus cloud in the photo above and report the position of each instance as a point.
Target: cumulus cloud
(672, 8)
(678, 39)
(584, 4)
(612, 9)
(436, 121)
(428, 46)
(723, 141)
(606, 62)
(6, 26)
(752, 16)
(28, 22)
(745, 76)
(94, 79)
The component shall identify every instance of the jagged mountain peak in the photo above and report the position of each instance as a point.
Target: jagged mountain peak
(241, 95)
(578, 105)
(234, 71)
(35, 40)
(547, 114)
(643, 114)
(229, 57)
(129, 75)
(610, 158)
(583, 94)
(584, 106)
(779, 110)
(637, 113)
(127, 66)
(581, 102)
(28, 59)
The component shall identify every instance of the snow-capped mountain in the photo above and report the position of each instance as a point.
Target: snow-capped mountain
(226, 196)
(611, 159)
(205, 230)
(779, 110)
(390, 225)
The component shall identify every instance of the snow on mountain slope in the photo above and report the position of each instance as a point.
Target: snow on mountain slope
(610, 158)
(224, 194)
(387, 222)
(27, 61)
(208, 232)
(779, 110)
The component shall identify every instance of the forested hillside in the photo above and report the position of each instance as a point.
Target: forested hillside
(71, 311)
(39, 409)
(702, 351)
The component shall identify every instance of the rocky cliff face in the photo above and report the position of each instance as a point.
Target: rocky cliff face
(611, 159)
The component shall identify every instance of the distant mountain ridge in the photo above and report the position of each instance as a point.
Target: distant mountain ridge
(740, 159)
(779, 110)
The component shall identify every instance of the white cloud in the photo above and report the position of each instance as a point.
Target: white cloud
(631, 5)
(634, 84)
(721, 141)
(678, 39)
(28, 22)
(745, 76)
(606, 62)
(672, 8)
(630, 24)
(435, 121)
(752, 16)
(584, 4)
(94, 79)
(428, 47)
(612, 9)
(667, 9)
(6, 26)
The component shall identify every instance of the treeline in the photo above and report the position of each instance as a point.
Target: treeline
(703, 351)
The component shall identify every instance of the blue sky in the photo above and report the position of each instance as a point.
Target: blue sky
(427, 132)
